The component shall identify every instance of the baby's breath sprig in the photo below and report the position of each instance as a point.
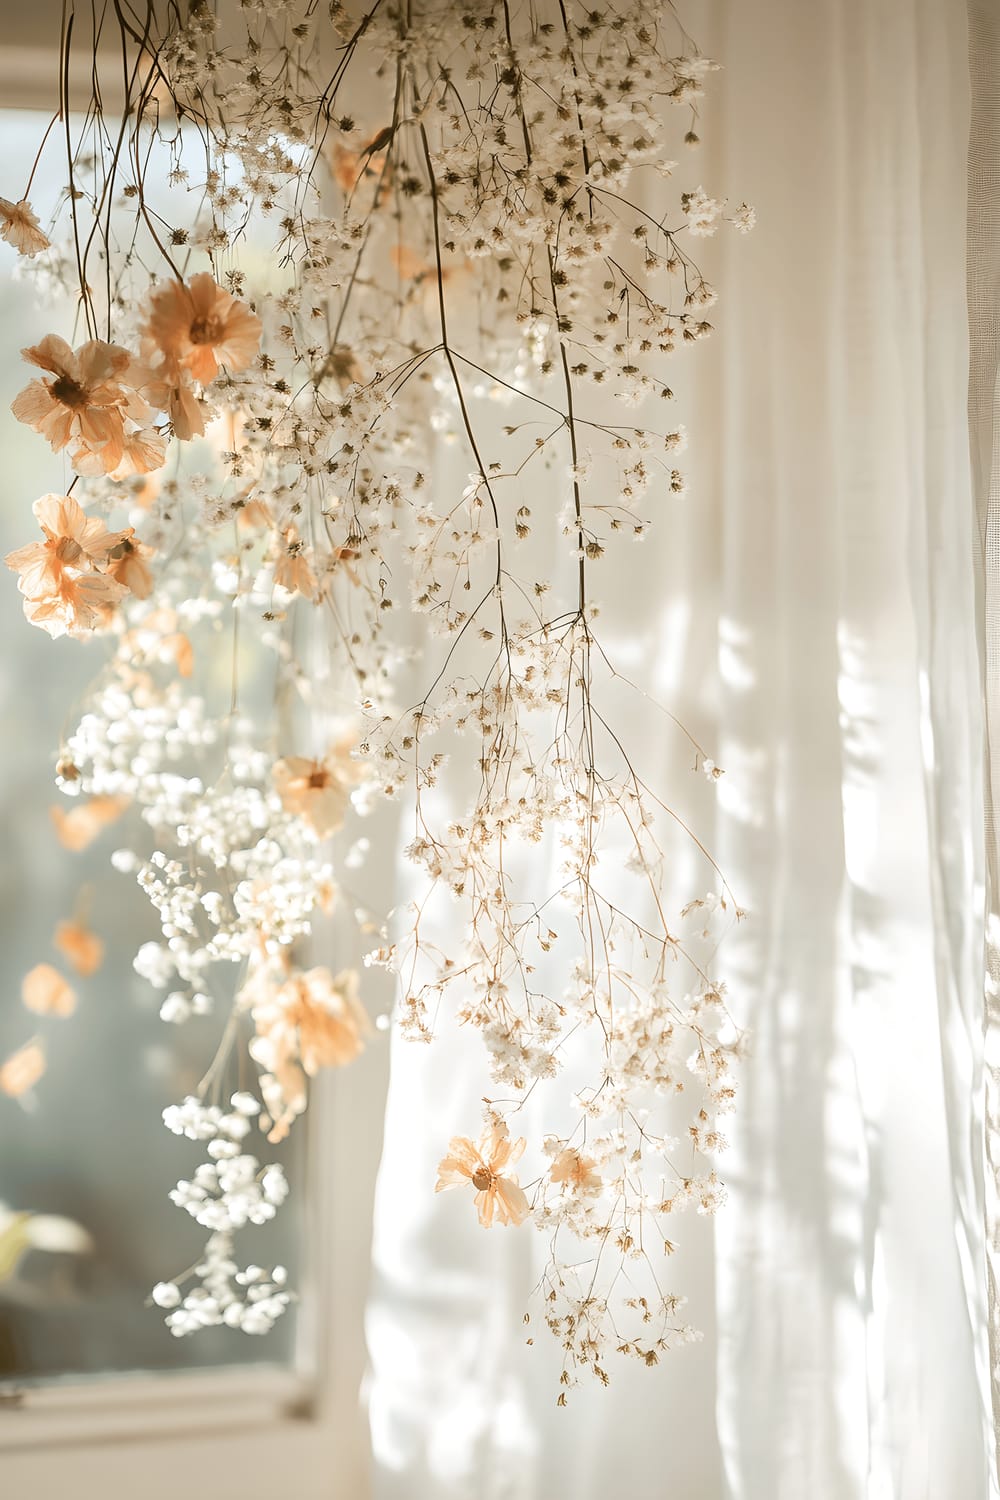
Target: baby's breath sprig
(382, 289)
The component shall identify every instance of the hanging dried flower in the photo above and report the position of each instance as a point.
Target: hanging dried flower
(89, 407)
(22, 1070)
(80, 825)
(19, 227)
(45, 991)
(576, 1172)
(312, 1020)
(65, 590)
(128, 565)
(352, 168)
(485, 1166)
(293, 569)
(319, 791)
(198, 327)
(537, 258)
(81, 948)
(73, 541)
(326, 1016)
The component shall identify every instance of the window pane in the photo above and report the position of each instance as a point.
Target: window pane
(90, 1146)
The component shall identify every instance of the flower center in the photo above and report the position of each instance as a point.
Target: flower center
(318, 780)
(206, 330)
(68, 551)
(69, 392)
(482, 1179)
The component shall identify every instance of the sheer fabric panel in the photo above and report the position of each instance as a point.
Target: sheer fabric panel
(807, 612)
(984, 366)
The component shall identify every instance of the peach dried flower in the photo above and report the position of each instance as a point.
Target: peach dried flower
(128, 565)
(19, 227)
(312, 1020)
(485, 1166)
(182, 651)
(327, 1016)
(198, 327)
(81, 948)
(292, 567)
(46, 992)
(87, 405)
(65, 590)
(351, 168)
(168, 388)
(254, 513)
(144, 451)
(576, 1171)
(72, 540)
(318, 791)
(78, 606)
(22, 1069)
(80, 826)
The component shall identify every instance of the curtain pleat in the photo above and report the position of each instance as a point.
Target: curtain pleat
(984, 364)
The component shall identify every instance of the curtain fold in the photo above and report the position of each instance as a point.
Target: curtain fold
(984, 366)
(808, 612)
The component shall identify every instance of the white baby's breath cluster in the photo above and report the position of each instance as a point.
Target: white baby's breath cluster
(398, 313)
(227, 1192)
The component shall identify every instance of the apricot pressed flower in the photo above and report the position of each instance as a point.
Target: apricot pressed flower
(329, 1020)
(72, 540)
(81, 948)
(312, 1020)
(484, 1166)
(292, 568)
(318, 791)
(19, 227)
(182, 651)
(46, 992)
(145, 451)
(576, 1171)
(77, 606)
(197, 326)
(87, 405)
(22, 1069)
(64, 589)
(254, 513)
(128, 565)
(350, 168)
(169, 389)
(80, 826)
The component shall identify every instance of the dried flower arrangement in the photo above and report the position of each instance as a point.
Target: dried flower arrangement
(318, 246)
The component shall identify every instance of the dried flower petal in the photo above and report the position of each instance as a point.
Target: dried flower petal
(46, 992)
(498, 1194)
(80, 826)
(19, 227)
(81, 948)
(22, 1070)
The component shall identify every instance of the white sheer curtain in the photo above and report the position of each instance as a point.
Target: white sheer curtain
(984, 368)
(808, 611)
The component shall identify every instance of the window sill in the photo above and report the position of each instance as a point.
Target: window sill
(133, 1407)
